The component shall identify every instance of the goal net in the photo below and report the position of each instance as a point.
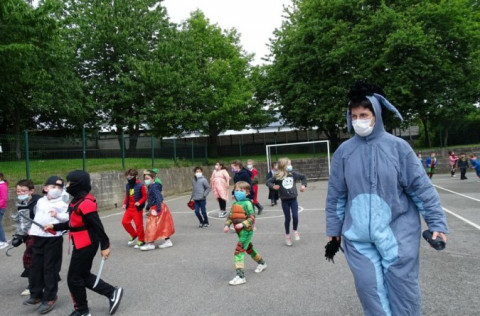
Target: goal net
(312, 158)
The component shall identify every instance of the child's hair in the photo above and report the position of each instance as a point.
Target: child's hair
(197, 168)
(237, 163)
(148, 172)
(251, 161)
(471, 155)
(131, 172)
(2, 177)
(242, 185)
(25, 183)
(282, 168)
(273, 164)
(222, 166)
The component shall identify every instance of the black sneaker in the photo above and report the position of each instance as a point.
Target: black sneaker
(32, 301)
(77, 313)
(47, 306)
(115, 299)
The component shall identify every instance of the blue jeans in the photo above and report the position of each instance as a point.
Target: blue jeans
(2, 233)
(201, 205)
(287, 205)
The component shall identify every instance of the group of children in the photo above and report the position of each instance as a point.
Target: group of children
(40, 222)
(454, 161)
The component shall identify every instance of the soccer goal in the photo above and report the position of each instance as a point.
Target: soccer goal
(311, 158)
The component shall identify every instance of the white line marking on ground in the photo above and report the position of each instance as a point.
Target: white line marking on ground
(468, 197)
(462, 218)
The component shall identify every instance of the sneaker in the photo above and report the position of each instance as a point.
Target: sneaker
(3, 244)
(260, 209)
(273, 204)
(237, 280)
(47, 306)
(166, 244)
(200, 225)
(77, 313)
(205, 226)
(25, 292)
(222, 214)
(288, 241)
(132, 241)
(32, 301)
(139, 244)
(116, 298)
(296, 236)
(149, 246)
(261, 267)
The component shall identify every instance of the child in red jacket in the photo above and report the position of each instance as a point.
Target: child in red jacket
(133, 203)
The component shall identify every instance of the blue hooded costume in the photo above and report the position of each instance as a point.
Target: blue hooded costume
(376, 191)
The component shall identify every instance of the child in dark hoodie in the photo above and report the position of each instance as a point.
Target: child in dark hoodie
(200, 191)
(242, 174)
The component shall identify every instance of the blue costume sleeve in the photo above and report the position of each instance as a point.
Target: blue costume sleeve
(421, 190)
(157, 192)
(336, 197)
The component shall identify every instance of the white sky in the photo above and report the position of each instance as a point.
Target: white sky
(255, 20)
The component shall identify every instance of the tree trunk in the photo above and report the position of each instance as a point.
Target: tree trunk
(445, 137)
(212, 146)
(427, 134)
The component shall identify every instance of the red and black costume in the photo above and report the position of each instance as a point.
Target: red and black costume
(134, 192)
(87, 234)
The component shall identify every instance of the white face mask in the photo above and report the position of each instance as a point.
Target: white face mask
(249, 167)
(362, 127)
(54, 193)
(198, 174)
(148, 182)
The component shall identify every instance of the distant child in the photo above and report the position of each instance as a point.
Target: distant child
(419, 156)
(133, 203)
(160, 222)
(47, 247)
(26, 202)
(272, 194)
(431, 164)
(240, 173)
(475, 164)
(452, 161)
(200, 191)
(463, 166)
(251, 167)
(242, 216)
(220, 184)
(3, 209)
(285, 182)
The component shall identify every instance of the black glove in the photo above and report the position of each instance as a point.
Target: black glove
(17, 240)
(331, 248)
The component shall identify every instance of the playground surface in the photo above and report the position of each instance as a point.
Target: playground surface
(191, 278)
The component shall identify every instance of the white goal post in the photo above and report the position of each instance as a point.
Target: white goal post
(269, 148)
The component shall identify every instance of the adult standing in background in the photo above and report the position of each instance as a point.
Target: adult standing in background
(3, 208)
(376, 193)
(220, 184)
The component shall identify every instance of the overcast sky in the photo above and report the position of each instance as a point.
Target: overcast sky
(255, 20)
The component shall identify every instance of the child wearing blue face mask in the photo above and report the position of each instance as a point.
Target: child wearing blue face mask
(242, 216)
(284, 181)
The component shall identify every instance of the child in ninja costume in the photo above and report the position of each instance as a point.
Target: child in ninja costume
(26, 202)
(87, 233)
(47, 247)
(242, 216)
(133, 203)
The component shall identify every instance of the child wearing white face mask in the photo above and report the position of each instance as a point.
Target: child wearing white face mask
(200, 191)
(47, 247)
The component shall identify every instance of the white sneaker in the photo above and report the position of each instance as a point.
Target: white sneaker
(132, 241)
(146, 247)
(288, 241)
(296, 236)
(237, 280)
(3, 244)
(260, 268)
(222, 214)
(25, 292)
(166, 244)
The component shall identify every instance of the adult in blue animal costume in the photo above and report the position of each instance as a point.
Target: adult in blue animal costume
(376, 193)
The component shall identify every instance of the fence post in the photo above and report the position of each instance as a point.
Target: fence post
(206, 152)
(27, 156)
(123, 150)
(175, 149)
(84, 154)
(240, 146)
(193, 154)
(153, 150)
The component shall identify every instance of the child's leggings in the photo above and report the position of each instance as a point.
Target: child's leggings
(287, 205)
(245, 245)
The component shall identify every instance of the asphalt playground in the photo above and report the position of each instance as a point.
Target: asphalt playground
(191, 278)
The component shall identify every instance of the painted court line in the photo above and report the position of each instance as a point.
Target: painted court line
(460, 194)
(462, 218)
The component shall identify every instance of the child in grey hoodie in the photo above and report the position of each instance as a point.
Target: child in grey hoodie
(200, 190)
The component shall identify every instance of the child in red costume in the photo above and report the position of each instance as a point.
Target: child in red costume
(133, 203)
(87, 234)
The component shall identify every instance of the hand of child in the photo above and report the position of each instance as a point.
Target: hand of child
(276, 187)
(53, 213)
(124, 206)
(239, 226)
(48, 226)
(153, 212)
(137, 204)
(105, 253)
(226, 229)
(302, 188)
